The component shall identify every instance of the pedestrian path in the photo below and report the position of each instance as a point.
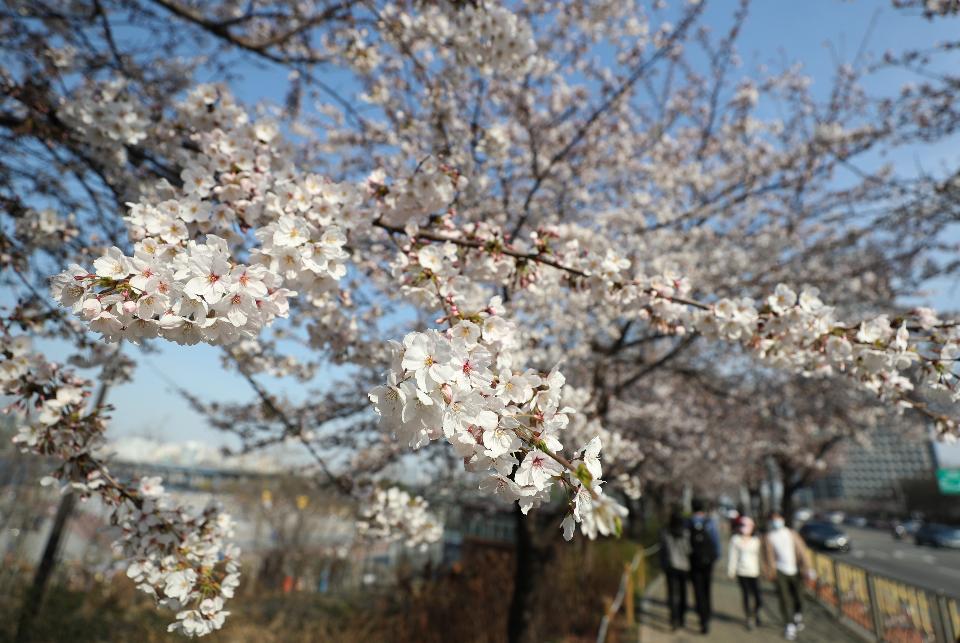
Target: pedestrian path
(727, 625)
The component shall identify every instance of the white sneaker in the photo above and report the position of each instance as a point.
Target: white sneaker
(798, 621)
(791, 632)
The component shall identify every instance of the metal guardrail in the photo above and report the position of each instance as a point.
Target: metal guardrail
(881, 608)
(634, 576)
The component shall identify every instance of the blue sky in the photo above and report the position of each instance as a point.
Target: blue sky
(814, 32)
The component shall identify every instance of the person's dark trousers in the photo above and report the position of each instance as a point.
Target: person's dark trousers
(750, 591)
(677, 596)
(700, 577)
(789, 593)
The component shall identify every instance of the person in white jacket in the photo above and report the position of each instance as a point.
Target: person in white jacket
(743, 562)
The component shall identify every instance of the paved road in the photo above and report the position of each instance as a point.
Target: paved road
(876, 550)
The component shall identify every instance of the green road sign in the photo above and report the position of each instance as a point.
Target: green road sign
(949, 480)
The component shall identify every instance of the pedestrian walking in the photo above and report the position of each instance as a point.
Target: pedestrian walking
(704, 552)
(743, 563)
(787, 561)
(675, 562)
(737, 515)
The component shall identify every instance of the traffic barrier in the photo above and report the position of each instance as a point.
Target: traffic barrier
(881, 608)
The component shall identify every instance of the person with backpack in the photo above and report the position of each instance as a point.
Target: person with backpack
(675, 562)
(704, 552)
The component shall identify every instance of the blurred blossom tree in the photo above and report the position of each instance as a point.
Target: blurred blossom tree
(574, 214)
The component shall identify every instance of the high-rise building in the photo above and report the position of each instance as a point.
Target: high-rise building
(874, 473)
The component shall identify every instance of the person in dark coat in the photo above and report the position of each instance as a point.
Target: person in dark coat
(675, 562)
(704, 552)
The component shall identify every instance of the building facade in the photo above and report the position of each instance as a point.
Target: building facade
(873, 475)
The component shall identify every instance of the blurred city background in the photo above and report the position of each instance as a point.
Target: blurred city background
(884, 508)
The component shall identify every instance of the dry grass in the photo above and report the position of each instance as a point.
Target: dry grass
(466, 604)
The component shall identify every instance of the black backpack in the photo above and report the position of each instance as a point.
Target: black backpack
(702, 553)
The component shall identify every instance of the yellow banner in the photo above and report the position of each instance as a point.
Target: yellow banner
(854, 595)
(826, 584)
(953, 613)
(904, 612)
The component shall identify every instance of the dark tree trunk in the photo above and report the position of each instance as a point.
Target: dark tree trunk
(787, 503)
(793, 480)
(638, 518)
(31, 606)
(756, 503)
(533, 553)
(521, 608)
(657, 502)
(270, 574)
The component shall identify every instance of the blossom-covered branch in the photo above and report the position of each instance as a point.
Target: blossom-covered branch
(463, 386)
(795, 331)
(181, 558)
(392, 514)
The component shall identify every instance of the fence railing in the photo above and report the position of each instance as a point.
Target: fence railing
(633, 578)
(882, 608)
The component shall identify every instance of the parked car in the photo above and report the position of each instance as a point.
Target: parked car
(936, 535)
(855, 521)
(802, 515)
(836, 517)
(825, 535)
(903, 529)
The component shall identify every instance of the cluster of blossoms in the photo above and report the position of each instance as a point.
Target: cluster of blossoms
(447, 272)
(48, 397)
(461, 385)
(184, 281)
(200, 296)
(485, 36)
(493, 39)
(393, 515)
(620, 452)
(431, 187)
(107, 116)
(793, 331)
(931, 8)
(44, 229)
(260, 356)
(363, 56)
(798, 332)
(182, 559)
